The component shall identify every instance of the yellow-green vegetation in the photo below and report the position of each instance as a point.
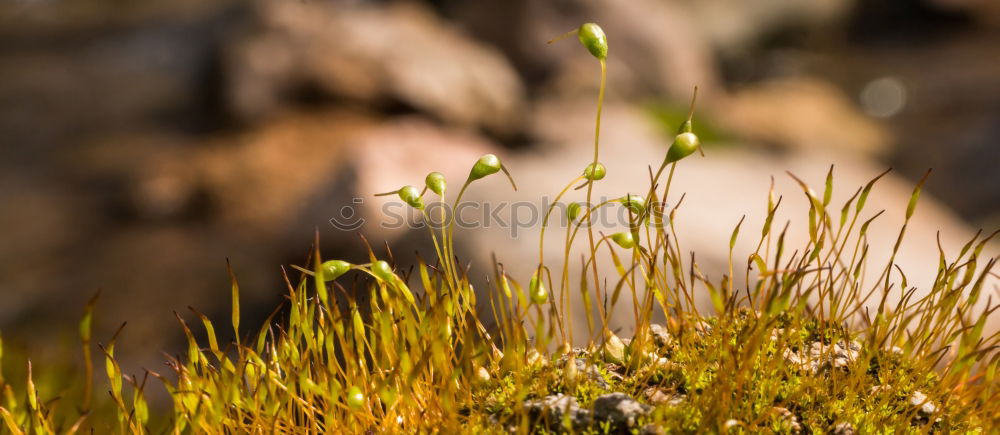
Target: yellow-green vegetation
(787, 347)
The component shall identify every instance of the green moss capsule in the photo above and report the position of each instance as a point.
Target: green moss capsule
(435, 182)
(686, 127)
(486, 165)
(684, 145)
(624, 239)
(333, 269)
(539, 295)
(595, 171)
(355, 398)
(593, 38)
(635, 203)
(411, 196)
(573, 210)
(686, 142)
(383, 271)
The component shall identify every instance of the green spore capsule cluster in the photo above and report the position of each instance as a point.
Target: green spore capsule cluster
(594, 172)
(536, 289)
(333, 269)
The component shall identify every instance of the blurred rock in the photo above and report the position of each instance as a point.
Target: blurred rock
(23, 18)
(733, 25)
(266, 177)
(661, 337)
(926, 406)
(843, 428)
(655, 46)
(658, 396)
(948, 119)
(37, 220)
(151, 219)
(370, 54)
(803, 114)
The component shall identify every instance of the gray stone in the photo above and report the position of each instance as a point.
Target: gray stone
(619, 409)
(926, 407)
(588, 370)
(657, 48)
(660, 335)
(659, 396)
(369, 54)
(555, 408)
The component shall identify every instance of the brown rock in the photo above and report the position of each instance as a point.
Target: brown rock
(658, 396)
(399, 52)
(803, 114)
(655, 47)
(843, 428)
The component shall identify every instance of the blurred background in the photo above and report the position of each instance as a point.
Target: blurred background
(143, 143)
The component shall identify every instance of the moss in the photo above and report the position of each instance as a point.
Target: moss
(818, 400)
(415, 357)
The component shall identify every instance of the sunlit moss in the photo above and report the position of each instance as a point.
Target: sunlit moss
(416, 356)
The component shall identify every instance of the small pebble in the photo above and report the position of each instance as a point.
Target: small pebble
(926, 406)
(619, 409)
(790, 419)
(843, 428)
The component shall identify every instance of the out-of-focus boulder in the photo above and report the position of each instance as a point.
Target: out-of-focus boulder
(265, 178)
(257, 180)
(655, 47)
(736, 24)
(155, 219)
(802, 114)
(376, 55)
(37, 220)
